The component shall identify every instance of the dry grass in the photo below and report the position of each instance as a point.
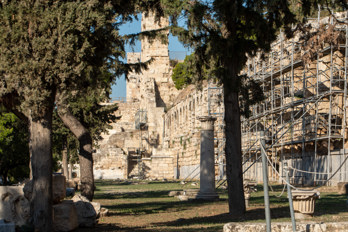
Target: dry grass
(146, 206)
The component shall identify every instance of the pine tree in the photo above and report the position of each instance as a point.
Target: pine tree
(49, 50)
(223, 33)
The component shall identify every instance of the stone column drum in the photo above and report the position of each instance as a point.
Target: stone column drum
(207, 164)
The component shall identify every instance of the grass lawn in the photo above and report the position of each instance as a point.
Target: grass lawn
(146, 206)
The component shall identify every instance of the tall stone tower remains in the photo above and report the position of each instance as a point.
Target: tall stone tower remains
(152, 87)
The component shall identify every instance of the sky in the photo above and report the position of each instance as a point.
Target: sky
(175, 49)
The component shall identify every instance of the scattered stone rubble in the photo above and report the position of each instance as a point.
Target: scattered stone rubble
(286, 227)
(14, 207)
(67, 214)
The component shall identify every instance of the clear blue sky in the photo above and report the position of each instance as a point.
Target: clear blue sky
(119, 90)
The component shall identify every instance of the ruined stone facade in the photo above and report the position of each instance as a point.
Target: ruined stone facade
(158, 135)
(302, 118)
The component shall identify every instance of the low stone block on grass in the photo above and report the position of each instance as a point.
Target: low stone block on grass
(87, 212)
(58, 188)
(14, 207)
(65, 216)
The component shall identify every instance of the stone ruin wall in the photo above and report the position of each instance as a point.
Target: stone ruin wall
(170, 140)
(110, 159)
(182, 130)
(150, 91)
(176, 151)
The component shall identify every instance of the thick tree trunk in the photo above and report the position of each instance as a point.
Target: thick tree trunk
(85, 154)
(233, 153)
(41, 163)
(65, 163)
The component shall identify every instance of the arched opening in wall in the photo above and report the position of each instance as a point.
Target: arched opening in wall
(186, 114)
(168, 123)
(197, 105)
(175, 119)
(180, 117)
(190, 111)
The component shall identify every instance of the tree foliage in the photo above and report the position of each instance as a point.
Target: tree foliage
(93, 115)
(54, 51)
(182, 73)
(14, 150)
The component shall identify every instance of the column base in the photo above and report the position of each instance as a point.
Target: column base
(210, 196)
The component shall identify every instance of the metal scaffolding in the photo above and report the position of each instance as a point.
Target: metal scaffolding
(303, 115)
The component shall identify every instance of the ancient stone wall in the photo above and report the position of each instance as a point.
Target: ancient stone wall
(182, 128)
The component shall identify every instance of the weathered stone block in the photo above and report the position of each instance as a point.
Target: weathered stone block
(65, 216)
(174, 193)
(304, 202)
(14, 207)
(342, 188)
(104, 212)
(86, 212)
(285, 227)
(58, 188)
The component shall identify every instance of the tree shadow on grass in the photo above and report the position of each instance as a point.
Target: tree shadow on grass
(109, 227)
(273, 200)
(132, 195)
(208, 223)
(331, 204)
(153, 207)
(250, 215)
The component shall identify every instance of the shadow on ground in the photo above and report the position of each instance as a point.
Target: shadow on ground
(254, 214)
(154, 207)
(132, 195)
(331, 204)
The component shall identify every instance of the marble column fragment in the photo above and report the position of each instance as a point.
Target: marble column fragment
(207, 164)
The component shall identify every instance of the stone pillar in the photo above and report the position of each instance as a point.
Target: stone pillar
(207, 164)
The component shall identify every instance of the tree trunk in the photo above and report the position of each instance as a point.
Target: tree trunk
(41, 163)
(4, 176)
(85, 154)
(234, 172)
(65, 163)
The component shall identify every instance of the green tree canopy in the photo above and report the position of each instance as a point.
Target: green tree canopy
(51, 51)
(14, 149)
(182, 73)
